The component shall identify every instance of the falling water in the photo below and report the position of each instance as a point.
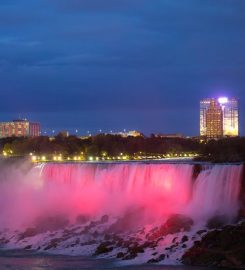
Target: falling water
(96, 189)
(162, 189)
(147, 194)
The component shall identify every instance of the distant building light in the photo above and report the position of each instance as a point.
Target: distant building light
(223, 100)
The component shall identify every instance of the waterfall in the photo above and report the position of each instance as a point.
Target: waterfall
(94, 189)
(216, 192)
(159, 209)
(162, 189)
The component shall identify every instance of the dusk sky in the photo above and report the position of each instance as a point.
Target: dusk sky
(115, 64)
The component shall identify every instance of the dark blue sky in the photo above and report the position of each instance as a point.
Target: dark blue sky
(114, 64)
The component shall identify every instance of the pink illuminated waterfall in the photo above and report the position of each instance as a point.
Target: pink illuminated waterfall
(94, 189)
(162, 189)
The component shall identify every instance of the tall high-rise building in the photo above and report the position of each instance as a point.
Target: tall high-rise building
(214, 120)
(19, 128)
(229, 114)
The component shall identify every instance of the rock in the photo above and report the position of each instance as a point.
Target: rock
(201, 232)
(224, 247)
(177, 222)
(82, 219)
(152, 261)
(196, 171)
(103, 248)
(136, 249)
(224, 263)
(159, 240)
(52, 244)
(116, 238)
(95, 234)
(120, 255)
(130, 256)
(29, 232)
(184, 239)
(104, 219)
(174, 224)
(174, 240)
(241, 214)
(161, 257)
(93, 224)
(146, 244)
(130, 221)
(157, 260)
(107, 236)
(4, 241)
(216, 222)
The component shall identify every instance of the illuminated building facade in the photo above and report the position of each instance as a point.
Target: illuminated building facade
(230, 116)
(19, 128)
(214, 120)
(210, 118)
(131, 133)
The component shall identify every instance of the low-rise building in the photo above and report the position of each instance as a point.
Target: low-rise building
(172, 136)
(131, 133)
(19, 128)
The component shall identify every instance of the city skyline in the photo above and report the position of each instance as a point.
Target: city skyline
(230, 122)
(131, 65)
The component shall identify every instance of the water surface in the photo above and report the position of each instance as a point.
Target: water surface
(25, 260)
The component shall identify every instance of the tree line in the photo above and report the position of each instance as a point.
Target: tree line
(99, 145)
(223, 150)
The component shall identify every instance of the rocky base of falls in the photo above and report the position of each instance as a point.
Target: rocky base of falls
(174, 241)
(224, 247)
(108, 237)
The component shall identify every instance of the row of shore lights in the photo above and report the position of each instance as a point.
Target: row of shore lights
(60, 158)
(91, 158)
(77, 158)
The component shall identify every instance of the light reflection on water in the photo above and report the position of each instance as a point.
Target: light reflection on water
(21, 260)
